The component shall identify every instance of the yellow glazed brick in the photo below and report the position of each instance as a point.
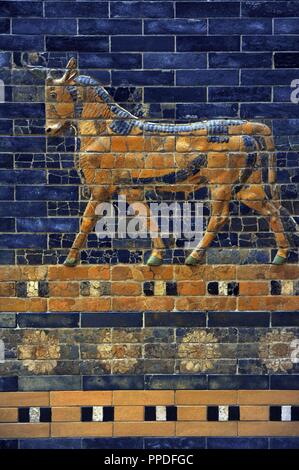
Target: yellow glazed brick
(254, 413)
(268, 397)
(128, 413)
(144, 429)
(192, 413)
(143, 397)
(8, 415)
(268, 428)
(66, 413)
(81, 429)
(24, 399)
(24, 430)
(202, 397)
(197, 428)
(80, 398)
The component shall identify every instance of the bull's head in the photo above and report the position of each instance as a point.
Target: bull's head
(60, 107)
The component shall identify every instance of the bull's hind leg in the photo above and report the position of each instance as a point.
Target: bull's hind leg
(220, 212)
(88, 221)
(255, 198)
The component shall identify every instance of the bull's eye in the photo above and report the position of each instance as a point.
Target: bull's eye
(53, 95)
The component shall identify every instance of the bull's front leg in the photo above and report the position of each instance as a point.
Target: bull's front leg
(88, 222)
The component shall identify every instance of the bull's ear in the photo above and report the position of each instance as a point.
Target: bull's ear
(71, 70)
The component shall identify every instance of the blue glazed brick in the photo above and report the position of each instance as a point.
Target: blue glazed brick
(267, 77)
(23, 241)
(175, 61)
(77, 43)
(284, 382)
(208, 43)
(6, 193)
(142, 43)
(270, 43)
(282, 94)
(4, 25)
(50, 224)
(6, 127)
(141, 9)
(284, 319)
(49, 382)
(240, 26)
(47, 193)
(237, 443)
(105, 61)
(25, 8)
(25, 110)
(17, 144)
(175, 443)
(205, 9)
(174, 95)
(7, 224)
(52, 443)
(269, 110)
(238, 382)
(48, 320)
(175, 319)
(125, 78)
(222, 319)
(175, 26)
(115, 382)
(7, 257)
(8, 384)
(284, 442)
(5, 59)
(269, 9)
(206, 111)
(207, 77)
(236, 60)
(76, 9)
(239, 94)
(286, 60)
(8, 444)
(15, 209)
(44, 26)
(286, 25)
(101, 26)
(128, 319)
(21, 43)
(6, 160)
(112, 443)
(176, 382)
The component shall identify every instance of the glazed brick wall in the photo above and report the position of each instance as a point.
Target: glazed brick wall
(175, 61)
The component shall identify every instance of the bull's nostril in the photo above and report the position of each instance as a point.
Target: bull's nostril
(48, 130)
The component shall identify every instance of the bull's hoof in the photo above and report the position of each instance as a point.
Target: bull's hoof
(154, 261)
(70, 262)
(278, 260)
(191, 261)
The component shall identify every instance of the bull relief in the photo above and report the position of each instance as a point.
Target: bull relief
(120, 154)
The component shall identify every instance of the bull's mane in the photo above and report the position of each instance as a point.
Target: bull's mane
(128, 121)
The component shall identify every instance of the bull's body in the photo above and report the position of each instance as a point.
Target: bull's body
(121, 154)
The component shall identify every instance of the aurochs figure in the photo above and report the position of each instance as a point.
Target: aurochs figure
(120, 153)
